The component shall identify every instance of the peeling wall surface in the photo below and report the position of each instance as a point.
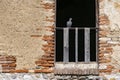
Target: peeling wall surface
(109, 41)
(23, 23)
(27, 37)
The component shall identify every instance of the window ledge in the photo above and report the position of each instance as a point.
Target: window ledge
(79, 68)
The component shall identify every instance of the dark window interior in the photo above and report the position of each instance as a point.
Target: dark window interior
(59, 45)
(81, 45)
(93, 45)
(82, 12)
(71, 45)
(84, 15)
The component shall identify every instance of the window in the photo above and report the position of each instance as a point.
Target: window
(77, 43)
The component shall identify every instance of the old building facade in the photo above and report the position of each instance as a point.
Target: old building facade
(27, 39)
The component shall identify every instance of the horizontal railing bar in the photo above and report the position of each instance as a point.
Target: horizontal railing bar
(76, 27)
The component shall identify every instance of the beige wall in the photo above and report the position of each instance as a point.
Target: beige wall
(22, 26)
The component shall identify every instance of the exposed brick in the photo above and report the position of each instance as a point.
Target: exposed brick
(51, 43)
(103, 33)
(8, 59)
(36, 35)
(52, 30)
(101, 36)
(7, 62)
(41, 61)
(51, 62)
(48, 38)
(46, 65)
(106, 70)
(48, 45)
(53, 16)
(102, 48)
(102, 42)
(9, 65)
(44, 71)
(52, 27)
(38, 29)
(8, 68)
(48, 59)
(51, 36)
(105, 51)
(52, 55)
(105, 61)
(101, 54)
(101, 0)
(109, 48)
(110, 67)
(103, 20)
(49, 52)
(46, 55)
(100, 58)
(50, 20)
(48, 49)
(48, 6)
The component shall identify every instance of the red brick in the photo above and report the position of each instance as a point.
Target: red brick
(106, 70)
(48, 59)
(110, 67)
(44, 71)
(109, 48)
(104, 61)
(101, 54)
(48, 49)
(48, 6)
(36, 35)
(104, 45)
(46, 65)
(40, 62)
(104, 20)
(102, 42)
(103, 33)
(10, 65)
(105, 51)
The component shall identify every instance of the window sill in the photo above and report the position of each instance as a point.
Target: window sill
(79, 68)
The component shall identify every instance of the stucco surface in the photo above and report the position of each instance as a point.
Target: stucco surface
(19, 20)
(111, 8)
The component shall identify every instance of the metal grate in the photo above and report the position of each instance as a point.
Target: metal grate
(86, 43)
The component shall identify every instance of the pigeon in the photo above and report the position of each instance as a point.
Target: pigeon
(69, 23)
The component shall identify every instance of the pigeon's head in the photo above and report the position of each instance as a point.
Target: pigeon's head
(70, 19)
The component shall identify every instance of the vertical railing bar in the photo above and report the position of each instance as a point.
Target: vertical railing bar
(87, 44)
(76, 44)
(66, 45)
(96, 31)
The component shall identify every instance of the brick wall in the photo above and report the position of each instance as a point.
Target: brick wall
(109, 39)
(27, 36)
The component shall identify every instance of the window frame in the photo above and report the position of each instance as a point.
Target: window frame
(96, 27)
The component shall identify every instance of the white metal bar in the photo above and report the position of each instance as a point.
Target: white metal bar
(66, 45)
(76, 45)
(87, 44)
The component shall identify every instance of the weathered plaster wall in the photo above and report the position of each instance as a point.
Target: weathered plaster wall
(109, 41)
(27, 33)
(23, 25)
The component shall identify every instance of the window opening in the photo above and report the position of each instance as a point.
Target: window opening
(76, 43)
